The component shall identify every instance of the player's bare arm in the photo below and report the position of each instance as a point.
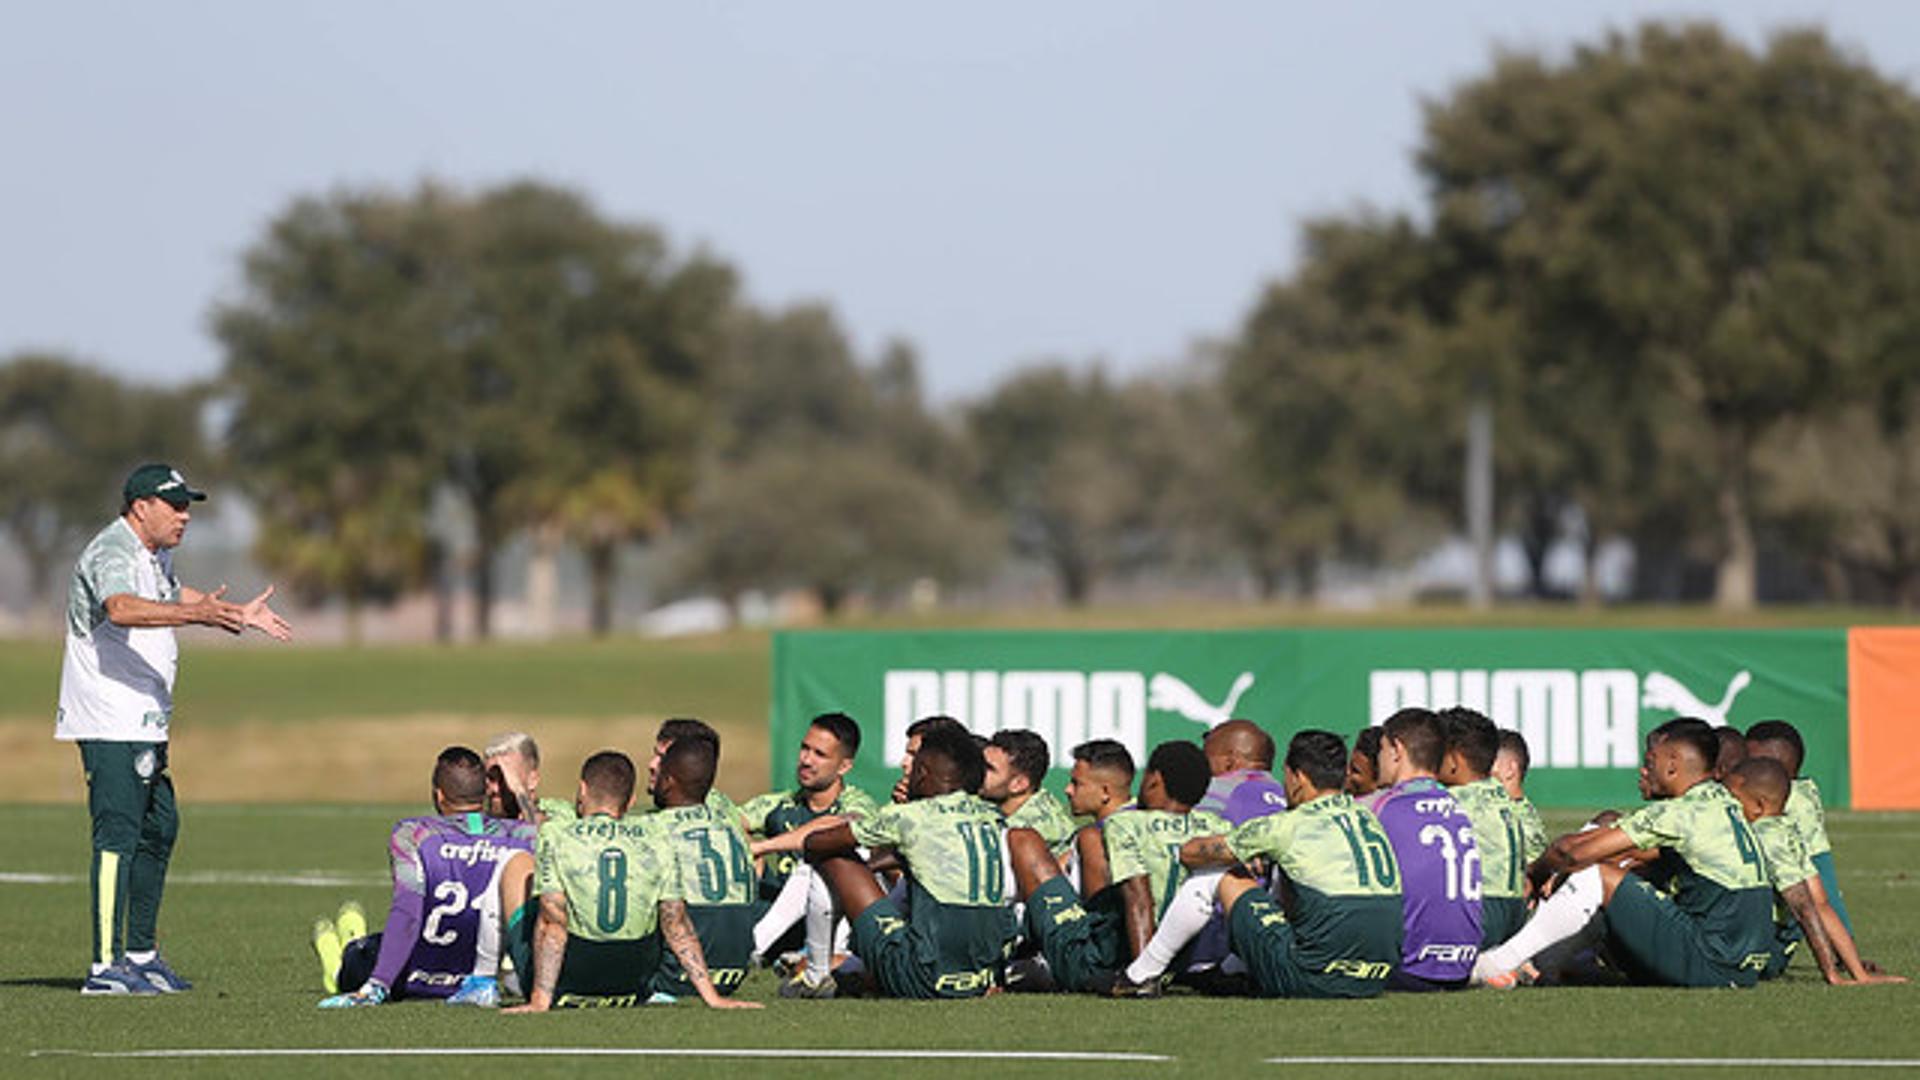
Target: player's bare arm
(1577, 851)
(1136, 899)
(1838, 938)
(795, 839)
(677, 930)
(1095, 874)
(836, 840)
(549, 950)
(1202, 852)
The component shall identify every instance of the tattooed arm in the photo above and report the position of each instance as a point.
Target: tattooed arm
(1205, 851)
(549, 949)
(678, 931)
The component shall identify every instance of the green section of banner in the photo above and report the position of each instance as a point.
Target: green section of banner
(1582, 698)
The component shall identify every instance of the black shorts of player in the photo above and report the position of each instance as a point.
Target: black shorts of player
(726, 940)
(607, 974)
(1083, 942)
(1263, 938)
(1501, 917)
(1657, 944)
(945, 952)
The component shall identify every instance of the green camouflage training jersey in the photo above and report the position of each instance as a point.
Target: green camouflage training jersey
(1499, 833)
(716, 862)
(1045, 815)
(1339, 879)
(1533, 830)
(1147, 843)
(614, 873)
(950, 844)
(779, 812)
(1711, 864)
(1809, 816)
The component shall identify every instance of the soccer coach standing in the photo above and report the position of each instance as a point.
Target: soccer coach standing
(116, 700)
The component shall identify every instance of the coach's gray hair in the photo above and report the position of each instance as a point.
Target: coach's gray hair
(518, 742)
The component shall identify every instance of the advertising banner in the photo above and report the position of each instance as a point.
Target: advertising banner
(1582, 698)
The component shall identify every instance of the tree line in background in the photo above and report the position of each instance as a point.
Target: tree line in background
(1682, 276)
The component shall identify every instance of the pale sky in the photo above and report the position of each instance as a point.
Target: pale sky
(997, 182)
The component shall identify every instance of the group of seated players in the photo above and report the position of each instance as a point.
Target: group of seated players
(1412, 861)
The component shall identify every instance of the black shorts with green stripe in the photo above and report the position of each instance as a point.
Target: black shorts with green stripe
(1658, 944)
(946, 951)
(726, 940)
(1084, 943)
(607, 974)
(1262, 937)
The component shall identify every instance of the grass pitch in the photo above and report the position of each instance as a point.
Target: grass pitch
(248, 880)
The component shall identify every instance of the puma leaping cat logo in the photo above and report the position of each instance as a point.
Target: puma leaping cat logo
(1170, 693)
(1663, 691)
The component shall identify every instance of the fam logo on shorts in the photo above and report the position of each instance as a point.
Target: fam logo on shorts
(1571, 718)
(145, 763)
(1066, 708)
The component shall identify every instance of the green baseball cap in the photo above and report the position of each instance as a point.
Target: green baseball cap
(161, 481)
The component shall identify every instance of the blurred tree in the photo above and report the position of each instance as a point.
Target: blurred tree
(837, 520)
(1675, 205)
(618, 343)
(542, 362)
(334, 354)
(808, 432)
(1338, 383)
(1074, 464)
(69, 435)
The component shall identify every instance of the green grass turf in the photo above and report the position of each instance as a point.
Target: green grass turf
(245, 945)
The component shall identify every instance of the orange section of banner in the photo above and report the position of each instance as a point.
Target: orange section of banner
(1883, 717)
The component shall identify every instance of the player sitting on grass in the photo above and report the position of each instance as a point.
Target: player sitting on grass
(1439, 861)
(1143, 856)
(1100, 785)
(715, 869)
(948, 840)
(610, 893)
(1780, 740)
(915, 732)
(1240, 756)
(1017, 764)
(1081, 935)
(1709, 921)
(1363, 768)
(1762, 786)
(513, 776)
(1510, 768)
(442, 935)
(788, 888)
(1473, 743)
(1335, 933)
(679, 728)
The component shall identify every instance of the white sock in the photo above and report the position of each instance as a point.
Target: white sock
(1556, 919)
(786, 909)
(142, 957)
(1185, 917)
(821, 916)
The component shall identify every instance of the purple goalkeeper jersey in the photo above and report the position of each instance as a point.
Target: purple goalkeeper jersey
(1243, 795)
(1439, 879)
(444, 923)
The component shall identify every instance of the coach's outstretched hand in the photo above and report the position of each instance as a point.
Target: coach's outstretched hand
(256, 614)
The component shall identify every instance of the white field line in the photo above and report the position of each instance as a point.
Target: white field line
(1666, 1062)
(810, 1053)
(307, 879)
